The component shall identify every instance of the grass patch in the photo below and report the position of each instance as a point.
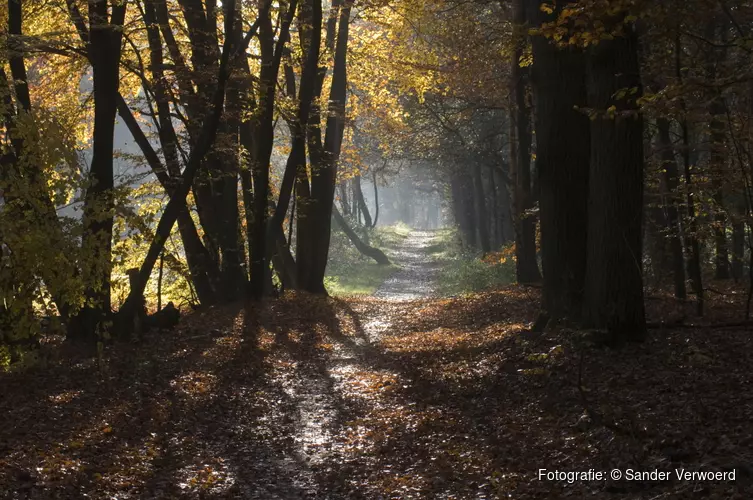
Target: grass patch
(349, 272)
(363, 279)
(471, 274)
(390, 236)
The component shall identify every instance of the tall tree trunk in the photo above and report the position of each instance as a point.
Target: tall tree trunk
(263, 143)
(672, 203)
(344, 201)
(36, 206)
(496, 236)
(311, 15)
(482, 215)
(717, 157)
(201, 267)
(325, 157)
(614, 280)
(691, 237)
(526, 264)
(104, 55)
(361, 201)
(563, 151)
(462, 204)
(376, 200)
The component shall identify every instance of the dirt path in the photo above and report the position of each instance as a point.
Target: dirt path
(415, 279)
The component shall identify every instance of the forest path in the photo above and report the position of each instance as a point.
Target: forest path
(305, 398)
(418, 269)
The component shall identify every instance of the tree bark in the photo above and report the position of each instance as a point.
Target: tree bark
(738, 250)
(614, 281)
(376, 200)
(325, 157)
(563, 152)
(263, 143)
(717, 157)
(104, 56)
(526, 263)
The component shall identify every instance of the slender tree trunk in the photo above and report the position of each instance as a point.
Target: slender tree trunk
(717, 158)
(496, 236)
(199, 262)
(271, 54)
(36, 206)
(738, 250)
(325, 157)
(614, 280)
(344, 201)
(203, 272)
(672, 203)
(361, 201)
(376, 200)
(563, 151)
(526, 264)
(691, 237)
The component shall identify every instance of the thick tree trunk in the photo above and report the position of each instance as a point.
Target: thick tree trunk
(563, 151)
(104, 55)
(462, 205)
(311, 18)
(614, 281)
(672, 203)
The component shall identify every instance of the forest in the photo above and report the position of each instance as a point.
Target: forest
(379, 249)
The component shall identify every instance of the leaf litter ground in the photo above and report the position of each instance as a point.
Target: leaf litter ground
(364, 398)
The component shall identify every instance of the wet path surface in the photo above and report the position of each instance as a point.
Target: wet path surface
(418, 271)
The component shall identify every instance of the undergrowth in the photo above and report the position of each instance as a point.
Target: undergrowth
(464, 272)
(349, 272)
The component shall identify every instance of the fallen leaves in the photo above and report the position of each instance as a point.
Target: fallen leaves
(319, 398)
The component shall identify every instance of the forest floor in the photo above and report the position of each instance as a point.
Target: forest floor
(377, 398)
